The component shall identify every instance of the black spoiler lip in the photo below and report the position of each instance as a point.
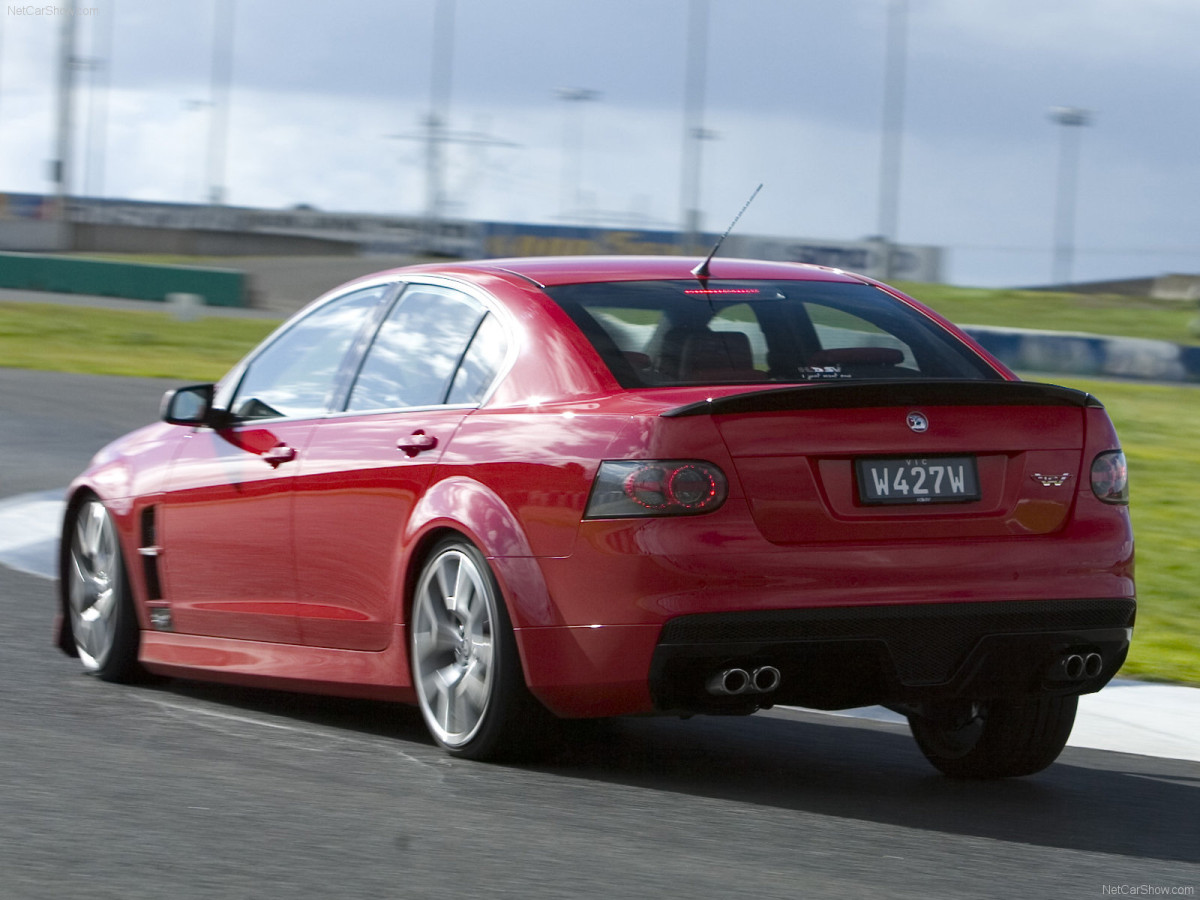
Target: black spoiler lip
(863, 394)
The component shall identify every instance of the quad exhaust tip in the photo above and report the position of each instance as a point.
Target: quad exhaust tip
(735, 681)
(1077, 667)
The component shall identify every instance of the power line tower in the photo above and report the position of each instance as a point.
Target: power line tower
(435, 133)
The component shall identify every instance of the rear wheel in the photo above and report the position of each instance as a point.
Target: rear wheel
(465, 664)
(996, 739)
(100, 608)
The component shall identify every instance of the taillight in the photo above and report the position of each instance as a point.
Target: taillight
(655, 487)
(1110, 477)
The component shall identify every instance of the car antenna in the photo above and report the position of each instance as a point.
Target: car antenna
(701, 271)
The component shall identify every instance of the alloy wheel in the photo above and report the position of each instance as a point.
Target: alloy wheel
(454, 619)
(95, 584)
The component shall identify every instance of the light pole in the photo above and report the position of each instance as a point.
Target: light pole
(97, 126)
(893, 131)
(1072, 119)
(222, 77)
(61, 168)
(694, 132)
(571, 192)
(1, 58)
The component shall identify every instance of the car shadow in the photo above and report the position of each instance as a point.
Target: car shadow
(1090, 800)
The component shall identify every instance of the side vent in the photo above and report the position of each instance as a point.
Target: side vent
(150, 551)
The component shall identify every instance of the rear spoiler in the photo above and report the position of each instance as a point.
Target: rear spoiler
(863, 394)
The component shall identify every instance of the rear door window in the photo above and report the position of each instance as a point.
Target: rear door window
(418, 349)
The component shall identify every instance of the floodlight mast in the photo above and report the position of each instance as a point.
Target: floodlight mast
(694, 132)
(892, 144)
(60, 168)
(1072, 119)
(218, 106)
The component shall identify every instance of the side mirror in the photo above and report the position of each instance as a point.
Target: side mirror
(191, 405)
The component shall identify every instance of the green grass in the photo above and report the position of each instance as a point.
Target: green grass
(1142, 317)
(116, 342)
(1158, 425)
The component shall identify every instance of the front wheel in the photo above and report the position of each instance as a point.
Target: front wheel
(465, 664)
(996, 739)
(99, 606)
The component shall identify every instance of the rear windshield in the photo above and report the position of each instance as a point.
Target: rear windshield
(658, 333)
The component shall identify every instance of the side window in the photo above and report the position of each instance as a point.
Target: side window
(417, 350)
(481, 363)
(297, 372)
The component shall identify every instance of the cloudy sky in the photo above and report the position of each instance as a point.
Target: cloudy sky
(327, 97)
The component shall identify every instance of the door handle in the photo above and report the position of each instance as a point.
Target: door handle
(418, 442)
(279, 454)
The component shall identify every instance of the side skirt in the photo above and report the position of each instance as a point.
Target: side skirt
(382, 675)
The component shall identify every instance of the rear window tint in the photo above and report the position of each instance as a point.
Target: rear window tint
(660, 333)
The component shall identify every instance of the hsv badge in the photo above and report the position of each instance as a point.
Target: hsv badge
(917, 422)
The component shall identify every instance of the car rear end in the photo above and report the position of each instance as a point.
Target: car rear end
(983, 553)
(845, 503)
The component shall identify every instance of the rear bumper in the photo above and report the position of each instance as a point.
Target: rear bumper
(643, 613)
(828, 658)
(844, 657)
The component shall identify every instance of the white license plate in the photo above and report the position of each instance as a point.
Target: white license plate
(933, 479)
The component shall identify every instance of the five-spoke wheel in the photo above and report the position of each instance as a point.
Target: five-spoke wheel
(464, 658)
(101, 615)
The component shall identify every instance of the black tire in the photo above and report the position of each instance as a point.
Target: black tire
(99, 606)
(997, 739)
(464, 660)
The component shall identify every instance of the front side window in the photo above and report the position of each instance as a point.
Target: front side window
(659, 333)
(296, 374)
(417, 350)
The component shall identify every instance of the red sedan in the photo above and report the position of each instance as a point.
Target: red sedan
(515, 491)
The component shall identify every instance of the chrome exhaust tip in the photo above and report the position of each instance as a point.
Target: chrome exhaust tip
(765, 679)
(729, 682)
(1073, 667)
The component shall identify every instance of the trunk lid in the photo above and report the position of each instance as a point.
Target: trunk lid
(861, 461)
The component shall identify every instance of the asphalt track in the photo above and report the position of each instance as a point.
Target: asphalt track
(180, 790)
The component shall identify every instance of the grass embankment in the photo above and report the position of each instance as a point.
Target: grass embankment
(1105, 314)
(1159, 425)
(115, 342)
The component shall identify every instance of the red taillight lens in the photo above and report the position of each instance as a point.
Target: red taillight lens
(693, 486)
(655, 487)
(1110, 477)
